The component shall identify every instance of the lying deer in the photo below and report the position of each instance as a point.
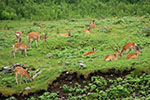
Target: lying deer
(127, 47)
(92, 25)
(41, 26)
(87, 31)
(18, 36)
(111, 57)
(134, 55)
(19, 46)
(65, 34)
(35, 36)
(89, 53)
(22, 72)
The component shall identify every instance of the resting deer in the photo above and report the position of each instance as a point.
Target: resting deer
(92, 25)
(133, 55)
(87, 31)
(90, 53)
(18, 36)
(22, 72)
(19, 46)
(111, 57)
(41, 26)
(65, 34)
(127, 47)
(35, 36)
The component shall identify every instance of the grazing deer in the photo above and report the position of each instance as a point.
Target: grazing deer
(19, 46)
(111, 57)
(92, 25)
(18, 36)
(35, 36)
(127, 47)
(65, 34)
(90, 53)
(22, 72)
(87, 31)
(133, 55)
(41, 26)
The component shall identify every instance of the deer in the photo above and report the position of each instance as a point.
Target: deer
(22, 72)
(128, 46)
(35, 36)
(40, 26)
(19, 46)
(89, 53)
(65, 34)
(134, 55)
(87, 31)
(111, 57)
(92, 25)
(18, 36)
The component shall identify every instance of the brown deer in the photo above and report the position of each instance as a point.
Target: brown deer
(18, 36)
(89, 53)
(133, 55)
(127, 47)
(41, 26)
(87, 31)
(65, 34)
(111, 57)
(35, 36)
(19, 46)
(22, 72)
(92, 25)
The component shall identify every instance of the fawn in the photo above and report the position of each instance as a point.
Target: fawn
(127, 47)
(18, 36)
(90, 53)
(35, 36)
(111, 57)
(65, 34)
(19, 46)
(22, 72)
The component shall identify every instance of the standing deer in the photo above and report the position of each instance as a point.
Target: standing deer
(127, 47)
(18, 36)
(65, 34)
(35, 36)
(19, 46)
(111, 57)
(22, 72)
(89, 53)
(92, 25)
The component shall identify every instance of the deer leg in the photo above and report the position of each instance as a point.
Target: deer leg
(36, 43)
(21, 78)
(30, 43)
(16, 78)
(19, 39)
(14, 53)
(22, 52)
(127, 51)
(25, 52)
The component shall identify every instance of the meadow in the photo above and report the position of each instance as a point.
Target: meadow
(108, 31)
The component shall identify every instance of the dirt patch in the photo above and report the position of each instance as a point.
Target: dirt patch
(69, 79)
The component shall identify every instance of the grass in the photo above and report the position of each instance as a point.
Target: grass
(70, 49)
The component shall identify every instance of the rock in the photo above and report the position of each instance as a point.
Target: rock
(80, 61)
(82, 65)
(67, 63)
(49, 56)
(27, 88)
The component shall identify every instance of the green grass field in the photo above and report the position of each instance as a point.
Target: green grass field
(70, 49)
